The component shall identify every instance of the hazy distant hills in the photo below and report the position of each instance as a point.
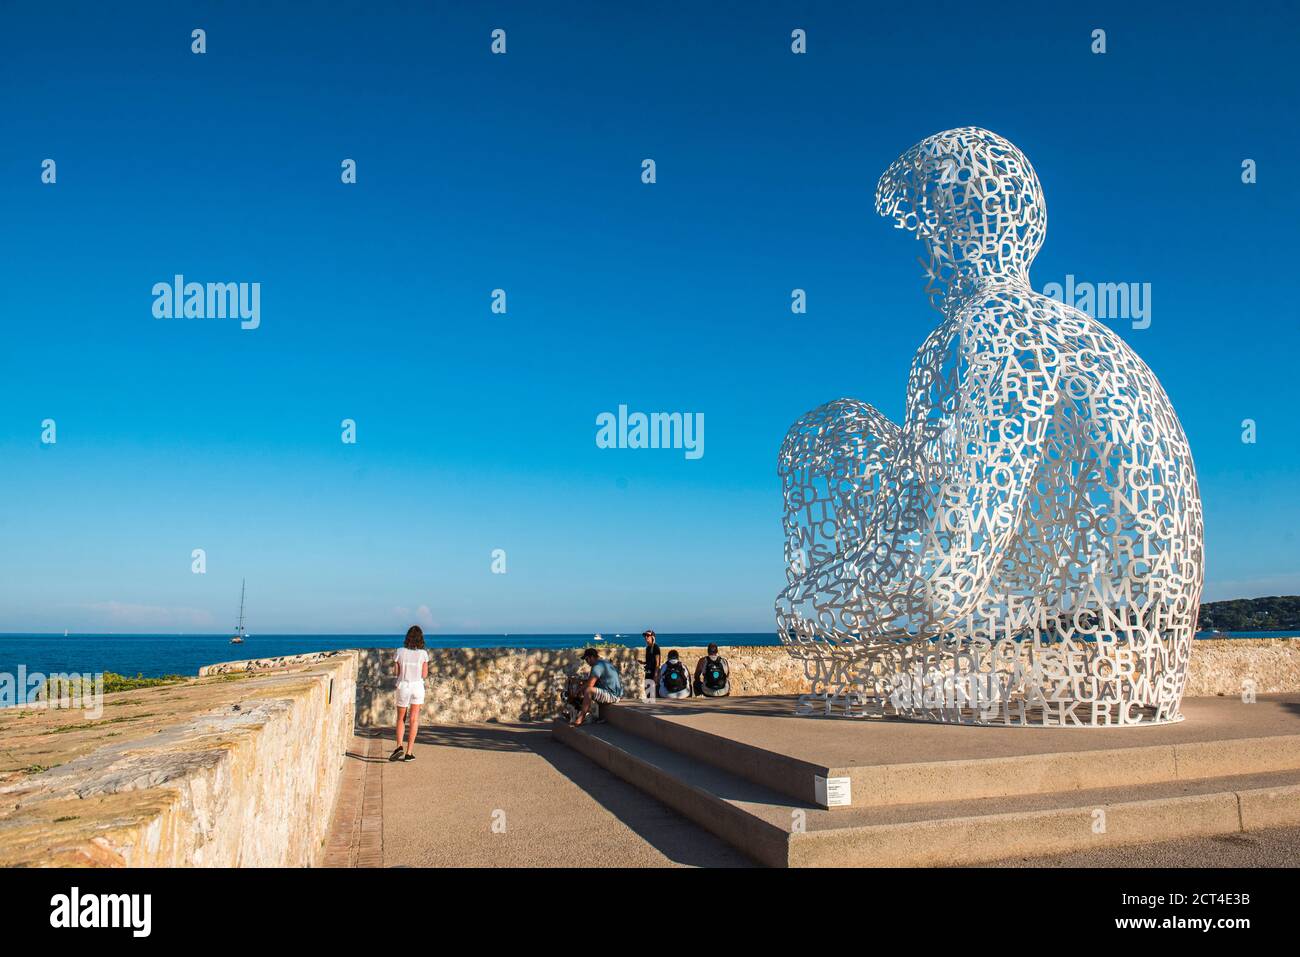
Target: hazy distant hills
(1274, 613)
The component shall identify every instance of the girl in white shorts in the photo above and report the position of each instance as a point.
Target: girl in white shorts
(412, 667)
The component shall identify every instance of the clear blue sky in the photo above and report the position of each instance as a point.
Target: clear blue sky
(477, 431)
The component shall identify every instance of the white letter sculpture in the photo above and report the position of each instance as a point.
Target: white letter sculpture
(1026, 549)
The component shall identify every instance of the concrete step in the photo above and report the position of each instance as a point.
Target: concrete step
(773, 830)
(898, 762)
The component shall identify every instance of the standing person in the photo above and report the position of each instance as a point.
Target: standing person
(603, 686)
(674, 679)
(712, 675)
(653, 654)
(411, 667)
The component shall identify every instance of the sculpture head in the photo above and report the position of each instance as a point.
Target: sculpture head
(975, 201)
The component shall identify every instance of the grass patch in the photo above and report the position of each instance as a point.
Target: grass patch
(86, 726)
(113, 682)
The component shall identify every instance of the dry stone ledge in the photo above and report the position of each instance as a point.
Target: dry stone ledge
(226, 770)
(269, 664)
(1223, 666)
(510, 684)
(486, 684)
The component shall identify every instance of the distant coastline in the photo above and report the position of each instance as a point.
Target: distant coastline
(1267, 614)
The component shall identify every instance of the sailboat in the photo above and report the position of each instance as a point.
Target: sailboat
(238, 638)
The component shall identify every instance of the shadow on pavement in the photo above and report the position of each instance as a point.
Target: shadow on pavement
(658, 825)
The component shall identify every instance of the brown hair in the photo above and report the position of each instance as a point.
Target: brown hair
(415, 637)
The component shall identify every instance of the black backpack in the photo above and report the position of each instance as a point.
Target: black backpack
(715, 678)
(675, 676)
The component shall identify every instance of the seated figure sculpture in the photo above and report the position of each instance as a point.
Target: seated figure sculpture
(1026, 548)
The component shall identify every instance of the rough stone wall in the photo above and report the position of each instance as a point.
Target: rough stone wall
(1218, 666)
(217, 772)
(484, 684)
(502, 684)
(1221, 666)
(257, 665)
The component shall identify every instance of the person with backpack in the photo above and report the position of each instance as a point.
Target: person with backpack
(712, 675)
(674, 679)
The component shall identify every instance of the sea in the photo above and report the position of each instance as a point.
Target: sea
(156, 655)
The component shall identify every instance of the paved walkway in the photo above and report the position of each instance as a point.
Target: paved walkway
(357, 832)
(503, 795)
(1275, 847)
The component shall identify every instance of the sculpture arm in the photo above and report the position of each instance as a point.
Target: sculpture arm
(980, 399)
(830, 466)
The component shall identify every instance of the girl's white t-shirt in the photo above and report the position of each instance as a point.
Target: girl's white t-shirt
(411, 661)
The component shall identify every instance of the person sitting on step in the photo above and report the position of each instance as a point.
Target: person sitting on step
(674, 679)
(603, 685)
(712, 675)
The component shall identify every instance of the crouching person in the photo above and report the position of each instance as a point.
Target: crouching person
(602, 686)
(712, 675)
(674, 679)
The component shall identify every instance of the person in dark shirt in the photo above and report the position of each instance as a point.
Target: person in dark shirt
(713, 675)
(653, 653)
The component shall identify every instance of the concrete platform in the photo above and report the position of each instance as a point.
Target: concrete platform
(927, 795)
(903, 762)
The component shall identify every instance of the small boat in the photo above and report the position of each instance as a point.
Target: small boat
(597, 637)
(240, 634)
